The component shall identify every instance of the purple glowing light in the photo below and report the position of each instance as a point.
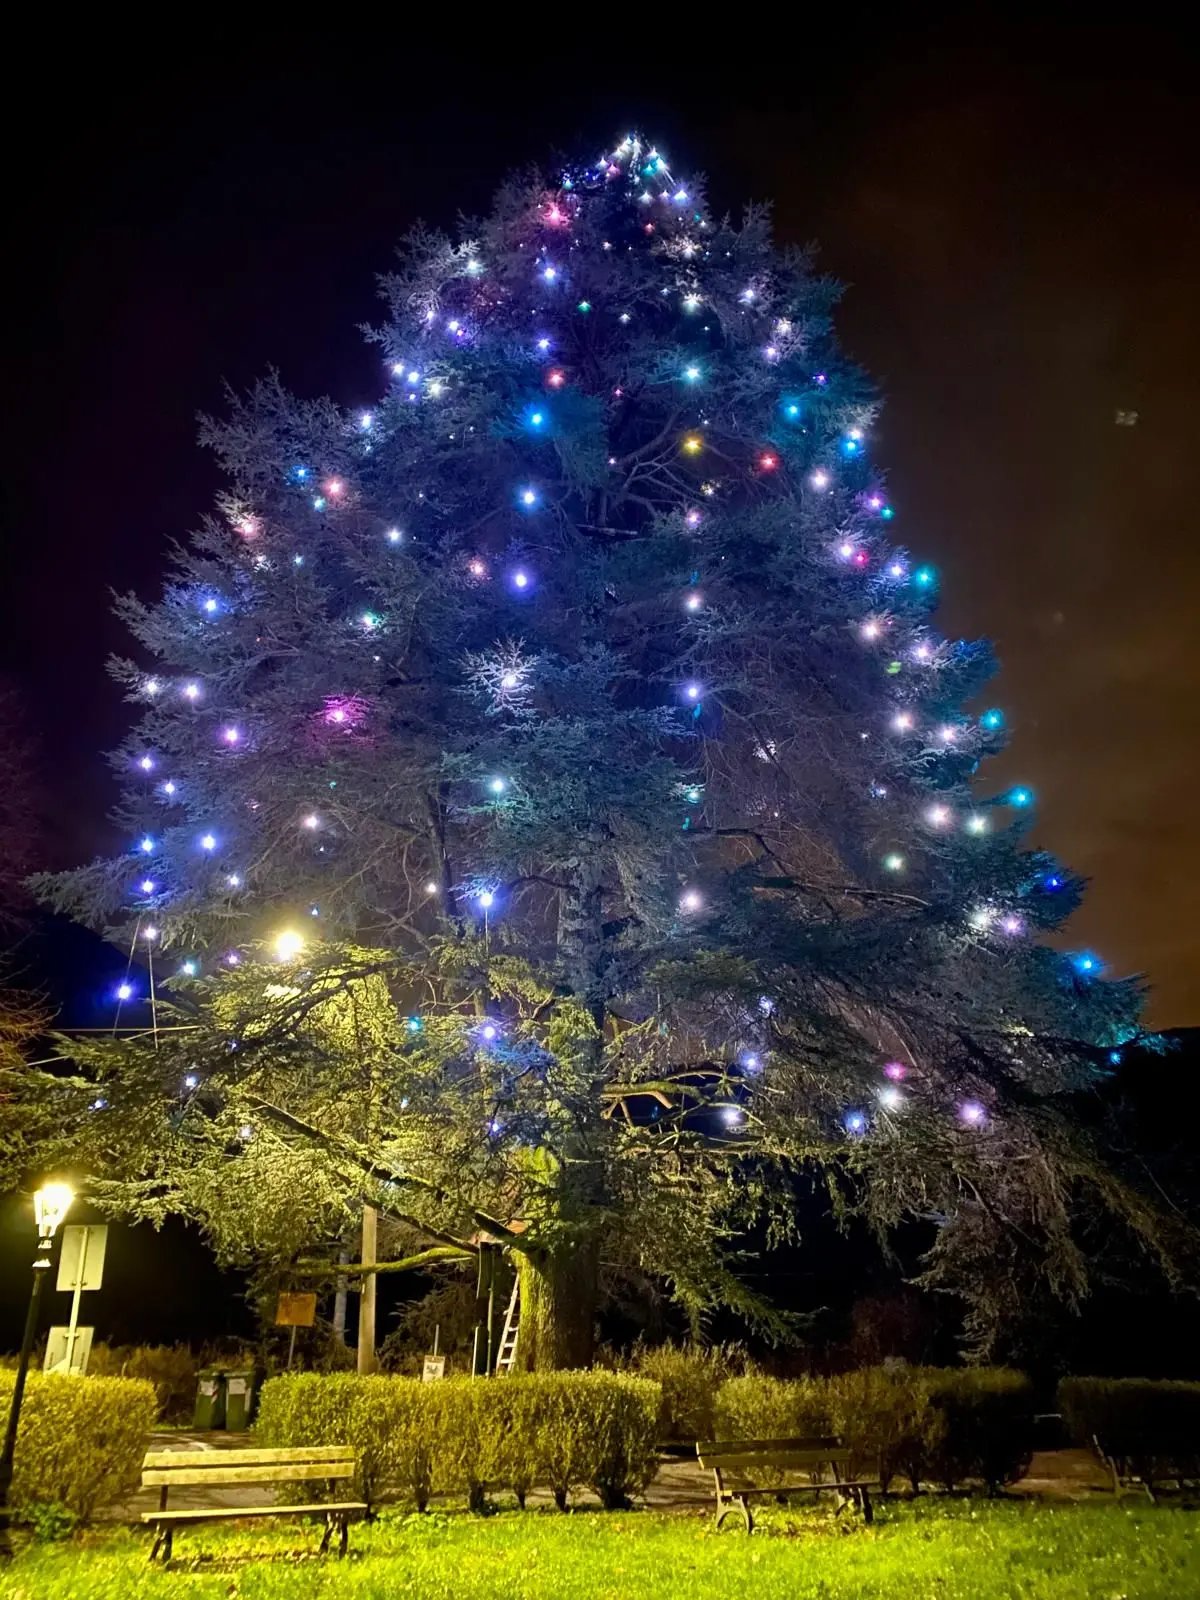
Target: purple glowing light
(972, 1113)
(896, 1071)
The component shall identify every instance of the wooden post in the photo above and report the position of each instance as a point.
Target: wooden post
(366, 1299)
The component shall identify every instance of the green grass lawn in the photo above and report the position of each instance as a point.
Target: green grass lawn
(951, 1550)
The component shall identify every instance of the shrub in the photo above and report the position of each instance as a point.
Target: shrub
(885, 1416)
(947, 1425)
(81, 1440)
(1154, 1425)
(388, 1422)
(618, 1416)
(755, 1407)
(171, 1368)
(986, 1425)
(465, 1434)
(689, 1378)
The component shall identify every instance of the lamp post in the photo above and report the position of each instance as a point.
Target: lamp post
(50, 1205)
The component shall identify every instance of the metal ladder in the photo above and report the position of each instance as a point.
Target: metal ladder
(512, 1327)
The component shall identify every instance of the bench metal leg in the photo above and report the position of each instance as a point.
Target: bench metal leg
(341, 1521)
(734, 1502)
(163, 1539)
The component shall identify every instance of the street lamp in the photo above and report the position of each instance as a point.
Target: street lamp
(50, 1205)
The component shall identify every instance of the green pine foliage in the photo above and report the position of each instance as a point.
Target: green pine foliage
(551, 805)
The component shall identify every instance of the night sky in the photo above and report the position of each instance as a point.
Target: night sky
(1015, 211)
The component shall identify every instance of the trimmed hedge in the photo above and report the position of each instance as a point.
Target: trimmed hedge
(689, 1376)
(563, 1429)
(81, 1440)
(1153, 1425)
(946, 1426)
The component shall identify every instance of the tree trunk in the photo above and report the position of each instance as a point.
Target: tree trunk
(558, 1306)
(366, 1301)
(340, 1297)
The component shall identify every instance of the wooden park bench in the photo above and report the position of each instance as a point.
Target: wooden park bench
(823, 1465)
(1142, 1465)
(210, 1469)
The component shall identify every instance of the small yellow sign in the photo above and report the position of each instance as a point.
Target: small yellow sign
(296, 1311)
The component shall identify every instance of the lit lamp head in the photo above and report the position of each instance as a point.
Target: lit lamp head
(50, 1205)
(288, 945)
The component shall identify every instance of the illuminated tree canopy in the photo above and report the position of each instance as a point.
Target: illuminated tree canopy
(554, 816)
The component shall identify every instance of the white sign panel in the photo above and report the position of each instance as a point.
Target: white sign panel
(81, 1259)
(56, 1351)
(433, 1368)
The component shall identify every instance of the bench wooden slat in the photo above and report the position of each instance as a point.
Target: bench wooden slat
(248, 1458)
(214, 1513)
(724, 1447)
(299, 1472)
(794, 1460)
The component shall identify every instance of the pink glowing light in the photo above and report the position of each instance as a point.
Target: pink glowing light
(896, 1071)
(343, 711)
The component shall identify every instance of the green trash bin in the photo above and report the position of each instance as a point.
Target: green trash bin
(239, 1398)
(210, 1399)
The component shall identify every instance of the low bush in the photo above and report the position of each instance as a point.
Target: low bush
(689, 1377)
(944, 1425)
(81, 1441)
(885, 1416)
(1153, 1425)
(757, 1407)
(414, 1439)
(986, 1425)
(171, 1368)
